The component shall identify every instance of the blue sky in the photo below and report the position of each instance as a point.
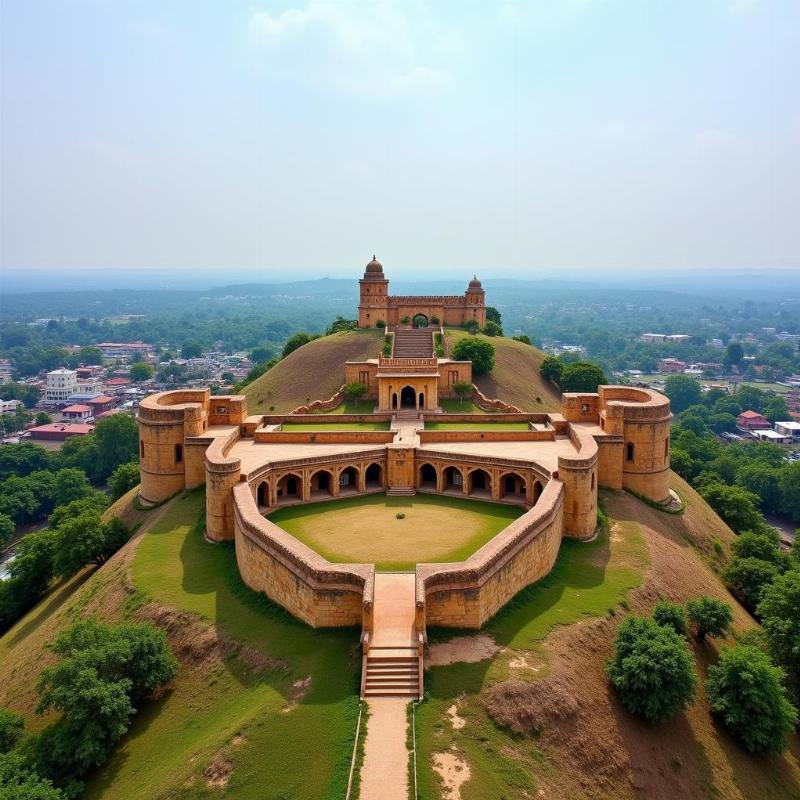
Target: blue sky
(508, 138)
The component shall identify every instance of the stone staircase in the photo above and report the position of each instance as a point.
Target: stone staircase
(413, 343)
(392, 671)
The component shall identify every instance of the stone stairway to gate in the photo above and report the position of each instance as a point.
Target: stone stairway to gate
(413, 343)
(393, 665)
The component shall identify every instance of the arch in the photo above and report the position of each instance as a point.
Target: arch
(394, 399)
(349, 480)
(289, 488)
(408, 397)
(419, 321)
(421, 400)
(453, 480)
(537, 491)
(428, 477)
(373, 476)
(512, 486)
(262, 494)
(320, 483)
(479, 483)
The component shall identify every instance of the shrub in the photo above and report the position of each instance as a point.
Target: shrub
(581, 377)
(652, 669)
(551, 369)
(18, 781)
(472, 325)
(670, 615)
(380, 324)
(296, 341)
(763, 545)
(400, 515)
(86, 539)
(7, 528)
(478, 351)
(746, 690)
(711, 617)
(435, 320)
(10, 729)
(492, 329)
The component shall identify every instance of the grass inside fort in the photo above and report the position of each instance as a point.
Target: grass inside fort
(367, 528)
(489, 425)
(315, 427)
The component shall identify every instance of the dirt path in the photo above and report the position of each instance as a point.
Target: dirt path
(384, 775)
(394, 610)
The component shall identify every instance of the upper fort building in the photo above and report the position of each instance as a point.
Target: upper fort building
(377, 306)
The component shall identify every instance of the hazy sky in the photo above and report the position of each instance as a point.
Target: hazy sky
(498, 137)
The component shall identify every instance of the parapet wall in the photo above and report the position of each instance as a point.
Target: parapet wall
(297, 578)
(467, 594)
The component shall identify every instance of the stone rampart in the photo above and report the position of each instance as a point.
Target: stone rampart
(467, 594)
(427, 437)
(323, 437)
(322, 405)
(297, 578)
(488, 404)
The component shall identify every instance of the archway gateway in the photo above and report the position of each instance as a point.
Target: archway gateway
(420, 321)
(408, 397)
(289, 488)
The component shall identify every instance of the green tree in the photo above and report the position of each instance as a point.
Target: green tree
(86, 539)
(737, 506)
(789, 482)
(140, 371)
(70, 484)
(683, 392)
(763, 480)
(493, 315)
(296, 341)
(7, 528)
(258, 355)
(779, 611)
(93, 501)
(117, 441)
(20, 460)
(462, 389)
(582, 377)
(492, 329)
(776, 410)
(354, 391)
(734, 354)
(747, 578)
(472, 326)
(478, 351)
(524, 338)
(42, 418)
(765, 546)
(17, 500)
(746, 691)
(652, 669)
(191, 350)
(18, 781)
(341, 324)
(670, 615)
(11, 725)
(551, 369)
(32, 568)
(711, 617)
(123, 479)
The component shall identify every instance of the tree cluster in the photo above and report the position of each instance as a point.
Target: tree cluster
(576, 376)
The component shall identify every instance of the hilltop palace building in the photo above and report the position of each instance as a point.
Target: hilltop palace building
(617, 437)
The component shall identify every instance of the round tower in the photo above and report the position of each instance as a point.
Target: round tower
(475, 302)
(373, 291)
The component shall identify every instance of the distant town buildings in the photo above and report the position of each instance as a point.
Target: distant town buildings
(9, 406)
(676, 338)
(57, 431)
(61, 383)
(752, 421)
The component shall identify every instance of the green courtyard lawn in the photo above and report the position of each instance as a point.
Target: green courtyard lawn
(237, 707)
(366, 528)
(363, 406)
(489, 425)
(589, 579)
(452, 405)
(316, 427)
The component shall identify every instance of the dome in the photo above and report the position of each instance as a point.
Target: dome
(374, 266)
(475, 283)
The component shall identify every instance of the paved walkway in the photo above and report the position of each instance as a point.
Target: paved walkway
(393, 624)
(384, 774)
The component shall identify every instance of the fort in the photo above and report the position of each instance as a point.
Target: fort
(549, 465)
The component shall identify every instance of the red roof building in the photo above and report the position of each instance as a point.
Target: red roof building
(78, 413)
(101, 403)
(752, 421)
(58, 431)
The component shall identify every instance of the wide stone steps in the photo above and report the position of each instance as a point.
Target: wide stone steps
(392, 672)
(413, 343)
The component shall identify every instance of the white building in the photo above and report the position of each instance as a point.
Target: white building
(5, 370)
(791, 429)
(61, 383)
(768, 435)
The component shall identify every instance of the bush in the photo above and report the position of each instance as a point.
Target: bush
(761, 545)
(380, 324)
(747, 578)
(86, 539)
(746, 690)
(581, 377)
(652, 669)
(551, 369)
(711, 617)
(492, 329)
(472, 325)
(294, 342)
(11, 725)
(123, 479)
(737, 506)
(670, 615)
(18, 781)
(7, 528)
(478, 351)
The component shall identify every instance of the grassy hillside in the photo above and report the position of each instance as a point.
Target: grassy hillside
(537, 719)
(515, 377)
(312, 372)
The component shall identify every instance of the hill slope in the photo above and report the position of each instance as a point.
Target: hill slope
(515, 377)
(314, 371)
